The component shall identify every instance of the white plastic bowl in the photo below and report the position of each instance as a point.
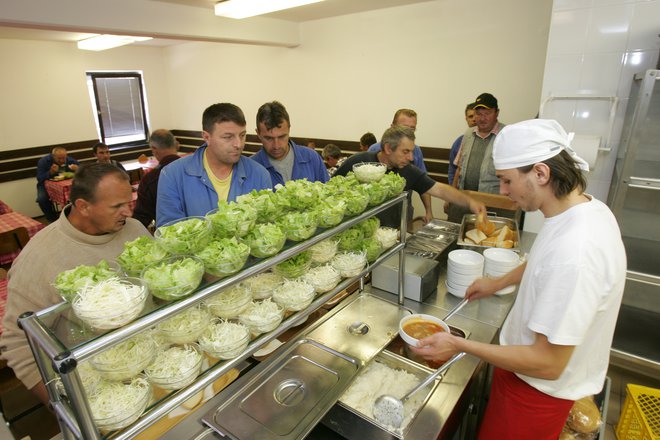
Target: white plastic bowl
(466, 258)
(469, 271)
(457, 291)
(459, 279)
(505, 257)
(419, 317)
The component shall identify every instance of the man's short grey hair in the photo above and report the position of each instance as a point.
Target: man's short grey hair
(393, 136)
(162, 139)
(331, 150)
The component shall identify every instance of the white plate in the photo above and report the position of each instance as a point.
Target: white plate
(466, 258)
(502, 256)
(506, 291)
(456, 292)
(455, 278)
(462, 270)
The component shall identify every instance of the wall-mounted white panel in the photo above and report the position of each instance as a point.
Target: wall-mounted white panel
(600, 72)
(562, 73)
(608, 28)
(645, 26)
(568, 31)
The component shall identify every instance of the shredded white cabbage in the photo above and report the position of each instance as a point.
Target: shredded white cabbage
(369, 172)
(175, 367)
(262, 317)
(230, 302)
(224, 339)
(387, 236)
(110, 303)
(294, 295)
(126, 359)
(186, 326)
(115, 404)
(378, 379)
(349, 264)
(263, 284)
(89, 377)
(323, 278)
(323, 251)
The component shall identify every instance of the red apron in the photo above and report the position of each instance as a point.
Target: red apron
(518, 411)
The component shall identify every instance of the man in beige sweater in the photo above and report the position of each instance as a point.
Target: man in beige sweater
(94, 227)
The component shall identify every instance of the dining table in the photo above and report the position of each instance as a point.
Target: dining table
(59, 192)
(13, 220)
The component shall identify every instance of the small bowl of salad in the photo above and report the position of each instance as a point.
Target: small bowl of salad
(140, 253)
(232, 219)
(115, 405)
(224, 256)
(299, 226)
(224, 339)
(69, 282)
(263, 284)
(185, 327)
(262, 316)
(230, 302)
(126, 359)
(175, 366)
(369, 171)
(295, 266)
(294, 295)
(265, 240)
(174, 277)
(185, 236)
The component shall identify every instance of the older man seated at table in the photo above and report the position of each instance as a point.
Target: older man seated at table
(48, 167)
(94, 227)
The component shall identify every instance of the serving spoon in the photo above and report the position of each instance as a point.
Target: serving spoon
(388, 410)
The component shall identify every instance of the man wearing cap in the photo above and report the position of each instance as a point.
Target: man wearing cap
(475, 164)
(555, 342)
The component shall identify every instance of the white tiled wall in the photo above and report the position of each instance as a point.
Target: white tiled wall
(595, 47)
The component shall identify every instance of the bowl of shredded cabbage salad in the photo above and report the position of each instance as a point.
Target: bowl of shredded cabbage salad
(175, 366)
(263, 284)
(230, 302)
(294, 295)
(224, 339)
(126, 359)
(369, 171)
(262, 316)
(115, 405)
(110, 303)
(185, 327)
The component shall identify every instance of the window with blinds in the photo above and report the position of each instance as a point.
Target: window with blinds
(120, 106)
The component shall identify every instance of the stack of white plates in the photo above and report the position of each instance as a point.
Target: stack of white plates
(463, 267)
(500, 262)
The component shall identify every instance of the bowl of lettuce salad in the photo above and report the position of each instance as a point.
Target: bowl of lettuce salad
(224, 339)
(377, 192)
(185, 236)
(356, 199)
(174, 277)
(350, 239)
(175, 367)
(185, 327)
(139, 253)
(224, 256)
(295, 266)
(265, 240)
(230, 302)
(371, 248)
(394, 183)
(369, 226)
(69, 282)
(232, 219)
(330, 211)
(264, 201)
(298, 226)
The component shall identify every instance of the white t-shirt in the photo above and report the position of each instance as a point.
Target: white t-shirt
(571, 292)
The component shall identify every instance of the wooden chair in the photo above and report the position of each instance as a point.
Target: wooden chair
(14, 240)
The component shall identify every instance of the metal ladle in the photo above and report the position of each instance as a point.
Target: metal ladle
(388, 410)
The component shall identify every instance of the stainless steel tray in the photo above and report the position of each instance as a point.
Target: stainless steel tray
(352, 424)
(469, 221)
(286, 399)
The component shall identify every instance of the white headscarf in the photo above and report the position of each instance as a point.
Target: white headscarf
(530, 142)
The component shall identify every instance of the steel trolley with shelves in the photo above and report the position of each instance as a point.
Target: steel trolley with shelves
(58, 342)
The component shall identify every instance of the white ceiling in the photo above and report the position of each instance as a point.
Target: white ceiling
(316, 11)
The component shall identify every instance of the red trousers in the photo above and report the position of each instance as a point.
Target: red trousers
(518, 411)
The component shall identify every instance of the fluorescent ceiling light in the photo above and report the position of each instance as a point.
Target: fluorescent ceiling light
(103, 42)
(249, 8)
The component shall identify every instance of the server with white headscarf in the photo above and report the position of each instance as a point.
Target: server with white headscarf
(554, 345)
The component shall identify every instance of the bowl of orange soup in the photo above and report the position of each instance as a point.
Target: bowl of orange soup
(418, 326)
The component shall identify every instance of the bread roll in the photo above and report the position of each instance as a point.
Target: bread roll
(489, 241)
(475, 235)
(506, 244)
(584, 417)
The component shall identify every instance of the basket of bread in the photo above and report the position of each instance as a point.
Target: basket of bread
(480, 232)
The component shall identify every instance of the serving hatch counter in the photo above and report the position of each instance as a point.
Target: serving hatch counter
(453, 405)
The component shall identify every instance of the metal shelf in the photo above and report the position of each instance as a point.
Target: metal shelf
(55, 359)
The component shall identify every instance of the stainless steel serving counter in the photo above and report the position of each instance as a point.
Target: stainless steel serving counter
(444, 410)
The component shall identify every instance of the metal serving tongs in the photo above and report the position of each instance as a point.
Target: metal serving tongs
(388, 410)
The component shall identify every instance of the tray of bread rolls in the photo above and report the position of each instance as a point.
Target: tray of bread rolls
(488, 231)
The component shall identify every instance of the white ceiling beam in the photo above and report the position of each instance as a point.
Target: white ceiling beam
(147, 18)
